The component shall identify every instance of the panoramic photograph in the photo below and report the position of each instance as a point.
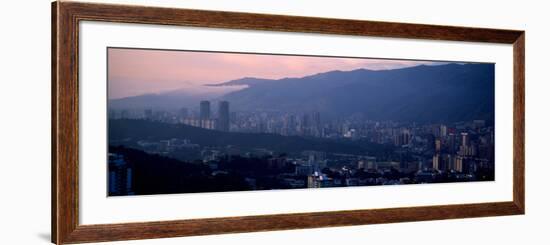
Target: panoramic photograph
(197, 121)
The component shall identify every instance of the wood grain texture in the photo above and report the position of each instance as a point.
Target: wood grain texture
(65, 121)
(235, 20)
(54, 123)
(149, 230)
(519, 122)
(65, 104)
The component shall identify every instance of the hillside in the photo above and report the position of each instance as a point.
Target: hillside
(443, 93)
(450, 92)
(134, 130)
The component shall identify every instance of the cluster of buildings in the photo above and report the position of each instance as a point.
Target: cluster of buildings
(426, 153)
(421, 153)
(120, 176)
(165, 147)
(286, 124)
(203, 118)
(206, 119)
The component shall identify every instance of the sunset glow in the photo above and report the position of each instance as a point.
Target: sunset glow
(140, 71)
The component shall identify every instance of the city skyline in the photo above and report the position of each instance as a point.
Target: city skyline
(134, 72)
(406, 123)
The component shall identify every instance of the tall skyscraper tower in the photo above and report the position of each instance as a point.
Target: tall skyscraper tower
(436, 162)
(205, 110)
(223, 116)
(443, 131)
(465, 139)
(316, 116)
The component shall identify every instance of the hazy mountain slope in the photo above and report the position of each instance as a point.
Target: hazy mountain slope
(422, 93)
(451, 92)
(175, 99)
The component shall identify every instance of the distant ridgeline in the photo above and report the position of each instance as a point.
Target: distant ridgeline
(443, 93)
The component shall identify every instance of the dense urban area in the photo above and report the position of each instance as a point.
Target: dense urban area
(211, 148)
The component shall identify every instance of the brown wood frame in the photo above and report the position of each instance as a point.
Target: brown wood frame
(65, 121)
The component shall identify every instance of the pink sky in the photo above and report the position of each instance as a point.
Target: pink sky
(139, 71)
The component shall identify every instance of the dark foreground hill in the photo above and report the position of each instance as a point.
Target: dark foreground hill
(134, 130)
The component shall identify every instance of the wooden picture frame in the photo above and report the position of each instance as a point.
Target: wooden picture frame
(65, 121)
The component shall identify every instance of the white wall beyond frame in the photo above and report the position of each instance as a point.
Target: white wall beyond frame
(97, 208)
(26, 95)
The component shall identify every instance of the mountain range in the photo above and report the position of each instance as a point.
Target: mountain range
(437, 93)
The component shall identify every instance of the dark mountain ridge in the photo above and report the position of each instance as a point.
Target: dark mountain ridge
(438, 93)
(452, 92)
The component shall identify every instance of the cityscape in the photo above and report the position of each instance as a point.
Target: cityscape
(223, 144)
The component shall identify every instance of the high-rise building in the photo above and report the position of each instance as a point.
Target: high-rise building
(316, 116)
(208, 124)
(437, 145)
(465, 139)
(223, 116)
(452, 143)
(458, 164)
(361, 164)
(120, 176)
(466, 148)
(402, 138)
(305, 124)
(291, 125)
(443, 131)
(312, 182)
(447, 162)
(436, 162)
(205, 110)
